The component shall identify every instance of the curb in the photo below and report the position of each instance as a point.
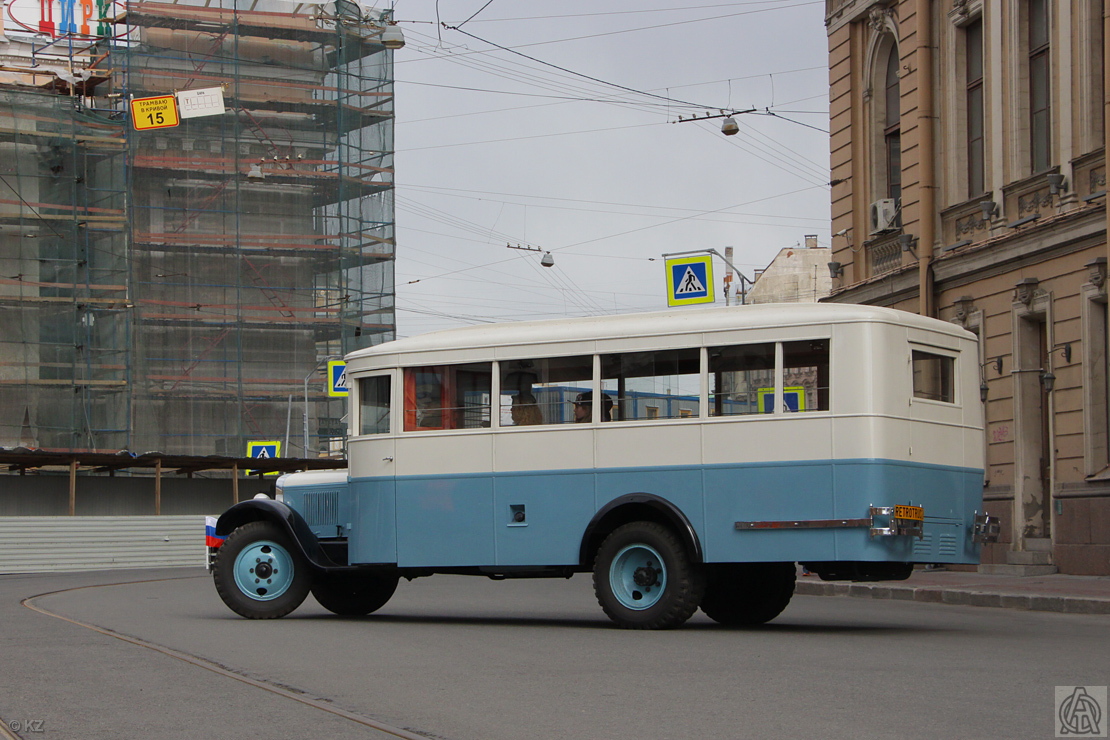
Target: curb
(937, 595)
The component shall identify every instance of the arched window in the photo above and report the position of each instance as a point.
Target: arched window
(973, 73)
(892, 126)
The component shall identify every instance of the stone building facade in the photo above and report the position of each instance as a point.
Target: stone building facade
(969, 183)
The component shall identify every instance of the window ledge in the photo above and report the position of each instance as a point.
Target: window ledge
(1101, 475)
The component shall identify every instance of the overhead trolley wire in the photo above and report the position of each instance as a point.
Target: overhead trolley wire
(669, 100)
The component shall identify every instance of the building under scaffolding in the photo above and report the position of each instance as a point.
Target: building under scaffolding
(179, 289)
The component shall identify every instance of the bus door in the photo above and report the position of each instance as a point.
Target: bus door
(371, 452)
(444, 484)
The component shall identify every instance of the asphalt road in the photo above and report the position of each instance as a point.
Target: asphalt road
(471, 659)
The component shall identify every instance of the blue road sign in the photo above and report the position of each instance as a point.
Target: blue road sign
(337, 378)
(690, 280)
(263, 451)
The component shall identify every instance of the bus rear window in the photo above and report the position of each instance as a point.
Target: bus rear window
(933, 376)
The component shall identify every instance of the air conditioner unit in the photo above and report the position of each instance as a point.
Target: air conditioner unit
(884, 215)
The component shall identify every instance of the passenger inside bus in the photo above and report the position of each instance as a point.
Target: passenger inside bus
(525, 412)
(583, 404)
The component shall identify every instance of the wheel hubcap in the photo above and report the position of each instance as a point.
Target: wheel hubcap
(638, 577)
(263, 570)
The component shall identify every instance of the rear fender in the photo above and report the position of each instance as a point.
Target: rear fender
(633, 507)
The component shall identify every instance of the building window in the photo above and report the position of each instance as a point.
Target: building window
(973, 38)
(1096, 386)
(892, 129)
(1039, 86)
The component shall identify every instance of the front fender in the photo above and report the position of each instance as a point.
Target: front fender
(269, 510)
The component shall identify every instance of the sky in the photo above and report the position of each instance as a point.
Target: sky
(555, 127)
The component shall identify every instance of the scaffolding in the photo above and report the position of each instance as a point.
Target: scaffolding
(176, 289)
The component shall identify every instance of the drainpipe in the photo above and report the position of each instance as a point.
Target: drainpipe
(927, 181)
(1106, 101)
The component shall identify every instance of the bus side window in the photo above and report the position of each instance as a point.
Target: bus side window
(373, 405)
(806, 373)
(448, 396)
(739, 377)
(664, 384)
(542, 391)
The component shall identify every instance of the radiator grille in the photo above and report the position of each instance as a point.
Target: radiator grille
(946, 543)
(321, 508)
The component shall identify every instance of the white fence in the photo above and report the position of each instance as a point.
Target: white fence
(37, 544)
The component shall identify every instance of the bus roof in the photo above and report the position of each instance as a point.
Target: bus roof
(656, 323)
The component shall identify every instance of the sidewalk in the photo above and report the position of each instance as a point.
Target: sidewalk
(1054, 593)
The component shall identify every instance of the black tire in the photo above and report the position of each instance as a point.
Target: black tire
(745, 594)
(260, 573)
(355, 595)
(644, 579)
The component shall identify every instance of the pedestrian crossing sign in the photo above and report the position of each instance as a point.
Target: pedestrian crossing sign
(263, 451)
(690, 280)
(337, 378)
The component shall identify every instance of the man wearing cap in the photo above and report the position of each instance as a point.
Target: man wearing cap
(583, 404)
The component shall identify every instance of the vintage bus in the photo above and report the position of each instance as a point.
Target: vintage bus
(687, 459)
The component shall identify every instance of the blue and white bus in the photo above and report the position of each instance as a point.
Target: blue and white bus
(686, 459)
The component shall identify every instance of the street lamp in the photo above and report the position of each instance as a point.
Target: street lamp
(308, 377)
(547, 260)
(392, 38)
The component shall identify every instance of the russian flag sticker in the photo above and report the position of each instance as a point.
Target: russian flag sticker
(211, 539)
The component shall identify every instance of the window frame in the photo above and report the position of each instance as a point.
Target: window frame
(452, 416)
(953, 375)
(892, 125)
(975, 107)
(1039, 74)
(358, 406)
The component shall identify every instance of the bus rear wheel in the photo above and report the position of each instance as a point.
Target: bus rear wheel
(355, 595)
(259, 572)
(745, 594)
(644, 579)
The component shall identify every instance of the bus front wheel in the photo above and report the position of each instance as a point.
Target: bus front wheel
(356, 595)
(739, 594)
(644, 579)
(259, 572)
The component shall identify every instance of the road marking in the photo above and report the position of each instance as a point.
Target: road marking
(213, 667)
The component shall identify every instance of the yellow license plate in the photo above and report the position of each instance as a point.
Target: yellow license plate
(909, 512)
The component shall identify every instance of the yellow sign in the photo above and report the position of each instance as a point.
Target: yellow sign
(909, 512)
(793, 398)
(689, 280)
(148, 113)
(263, 451)
(337, 378)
